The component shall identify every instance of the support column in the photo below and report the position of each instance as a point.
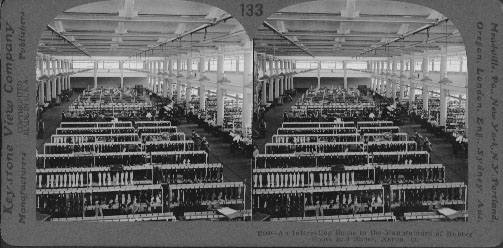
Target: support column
(281, 79)
(48, 96)
(151, 81)
(170, 79)
(156, 76)
(286, 78)
(121, 67)
(388, 79)
(443, 91)
(466, 95)
(220, 91)
(402, 83)
(146, 66)
(188, 91)
(291, 74)
(425, 87)
(466, 108)
(178, 80)
(237, 63)
(54, 79)
(70, 66)
(65, 77)
(412, 85)
(344, 67)
(95, 74)
(376, 73)
(461, 65)
(68, 86)
(271, 80)
(164, 78)
(152, 77)
(58, 78)
(319, 74)
(276, 80)
(392, 81)
(264, 82)
(247, 91)
(289, 78)
(378, 79)
(294, 67)
(159, 77)
(41, 90)
(372, 75)
(372, 72)
(202, 88)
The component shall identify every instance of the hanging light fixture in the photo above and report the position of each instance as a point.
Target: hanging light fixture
(265, 77)
(445, 80)
(180, 75)
(189, 73)
(203, 77)
(402, 66)
(224, 80)
(426, 78)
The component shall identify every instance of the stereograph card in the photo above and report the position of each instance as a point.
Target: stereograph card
(252, 123)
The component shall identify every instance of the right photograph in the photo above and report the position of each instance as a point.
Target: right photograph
(360, 114)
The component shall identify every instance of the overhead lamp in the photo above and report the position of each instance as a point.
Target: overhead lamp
(426, 79)
(265, 77)
(445, 80)
(180, 76)
(43, 77)
(224, 80)
(403, 76)
(204, 79)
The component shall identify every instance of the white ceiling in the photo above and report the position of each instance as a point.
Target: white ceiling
(344, 28)
(351, 27)
(127, 27)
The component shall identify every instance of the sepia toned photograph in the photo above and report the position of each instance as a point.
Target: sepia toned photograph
(360, 114)
(140, 103)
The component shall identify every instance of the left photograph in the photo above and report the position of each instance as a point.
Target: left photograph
(144, 114)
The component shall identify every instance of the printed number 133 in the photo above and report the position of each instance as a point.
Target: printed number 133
(251, 9)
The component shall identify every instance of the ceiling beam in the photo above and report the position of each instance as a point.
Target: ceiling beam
(202, 27)
(139, 18)
(281, 27)
(329, 18)
(58, 25)
(127, 10)
(426, 27)
(129, 34)
(270, 27)
(375, 35)
(67, 40)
